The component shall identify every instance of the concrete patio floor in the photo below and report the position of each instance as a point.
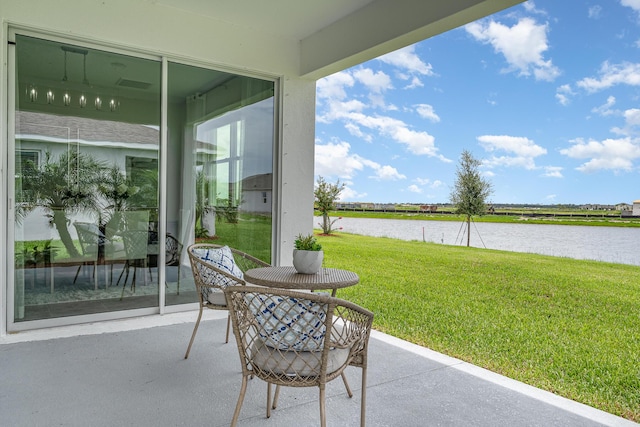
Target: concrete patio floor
(132, 373)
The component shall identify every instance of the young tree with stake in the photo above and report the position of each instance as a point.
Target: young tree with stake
(326, 195)
(471, 190)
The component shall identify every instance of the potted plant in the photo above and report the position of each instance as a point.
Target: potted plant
(307, 254)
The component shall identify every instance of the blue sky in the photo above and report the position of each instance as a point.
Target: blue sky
(546, 94)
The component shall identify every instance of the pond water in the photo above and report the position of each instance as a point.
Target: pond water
(612, 244)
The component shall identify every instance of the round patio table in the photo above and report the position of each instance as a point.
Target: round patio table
(288, 278)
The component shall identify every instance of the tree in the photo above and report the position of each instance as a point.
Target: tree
(115, 191)
(471, 190)
(63, 187)
(326, 195)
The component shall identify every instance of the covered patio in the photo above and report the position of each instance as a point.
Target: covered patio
(92, 82)
(105, 370)
(132, 372)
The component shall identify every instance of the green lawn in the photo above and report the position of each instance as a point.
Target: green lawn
(568, 326)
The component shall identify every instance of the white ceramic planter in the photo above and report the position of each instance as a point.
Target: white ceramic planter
(209, 221)
(307, 262)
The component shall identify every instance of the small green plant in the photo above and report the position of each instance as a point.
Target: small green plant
(307, 243)
(31, 255)
(201, 232)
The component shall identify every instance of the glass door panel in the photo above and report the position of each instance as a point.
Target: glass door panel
(86, 180)
(219, 165)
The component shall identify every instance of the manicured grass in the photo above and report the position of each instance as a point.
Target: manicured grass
(251, 234)
(568, 326)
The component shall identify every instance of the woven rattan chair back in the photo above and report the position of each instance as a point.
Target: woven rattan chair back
(207, 276)
(297, 339)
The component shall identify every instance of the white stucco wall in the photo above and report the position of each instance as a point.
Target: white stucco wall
(296, 169)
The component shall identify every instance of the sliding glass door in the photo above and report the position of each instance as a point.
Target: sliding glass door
(221, 142)
(90, 230)
(86, 179)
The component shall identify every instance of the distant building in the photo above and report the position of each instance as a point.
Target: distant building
(636, 208)
(595, 207)
(384, 207)
(256, 193)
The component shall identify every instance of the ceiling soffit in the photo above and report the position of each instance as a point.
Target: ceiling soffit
(338, 34)
(384, 26)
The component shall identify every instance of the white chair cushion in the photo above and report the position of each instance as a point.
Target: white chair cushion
(216, 297)
(221, 258)
(302, 363)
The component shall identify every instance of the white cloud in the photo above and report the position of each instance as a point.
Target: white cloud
(338, 109)
(333, 86)
(416, 82)
(518, 145)
(530, 7)
(633, 4)
(407, 59)
(510, 162)
(594, 12)
(387, 173)
(414, 189)
(417, 142)
(426, 182)
(336, 103)
(632, 117)
(377, 82)
(605, 109)
(335, 159)
(611, 75)
(632, 123)
(552, 171)
(521, 151)
(562, 98)
(354, 130)
(610, 154)
(563, 93)
(350, 194)
(522, 45)
(426, 111)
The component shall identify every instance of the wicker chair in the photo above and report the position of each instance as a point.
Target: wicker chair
(90, 239)
(297, 339)
(207, 277)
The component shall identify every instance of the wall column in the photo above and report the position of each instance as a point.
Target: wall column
(296, 165)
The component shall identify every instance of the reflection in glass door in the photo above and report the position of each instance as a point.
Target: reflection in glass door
(220, 165)
(86, 180)
(87, 231)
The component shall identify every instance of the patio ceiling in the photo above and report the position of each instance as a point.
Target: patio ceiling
(309, 39)
(336, 34)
